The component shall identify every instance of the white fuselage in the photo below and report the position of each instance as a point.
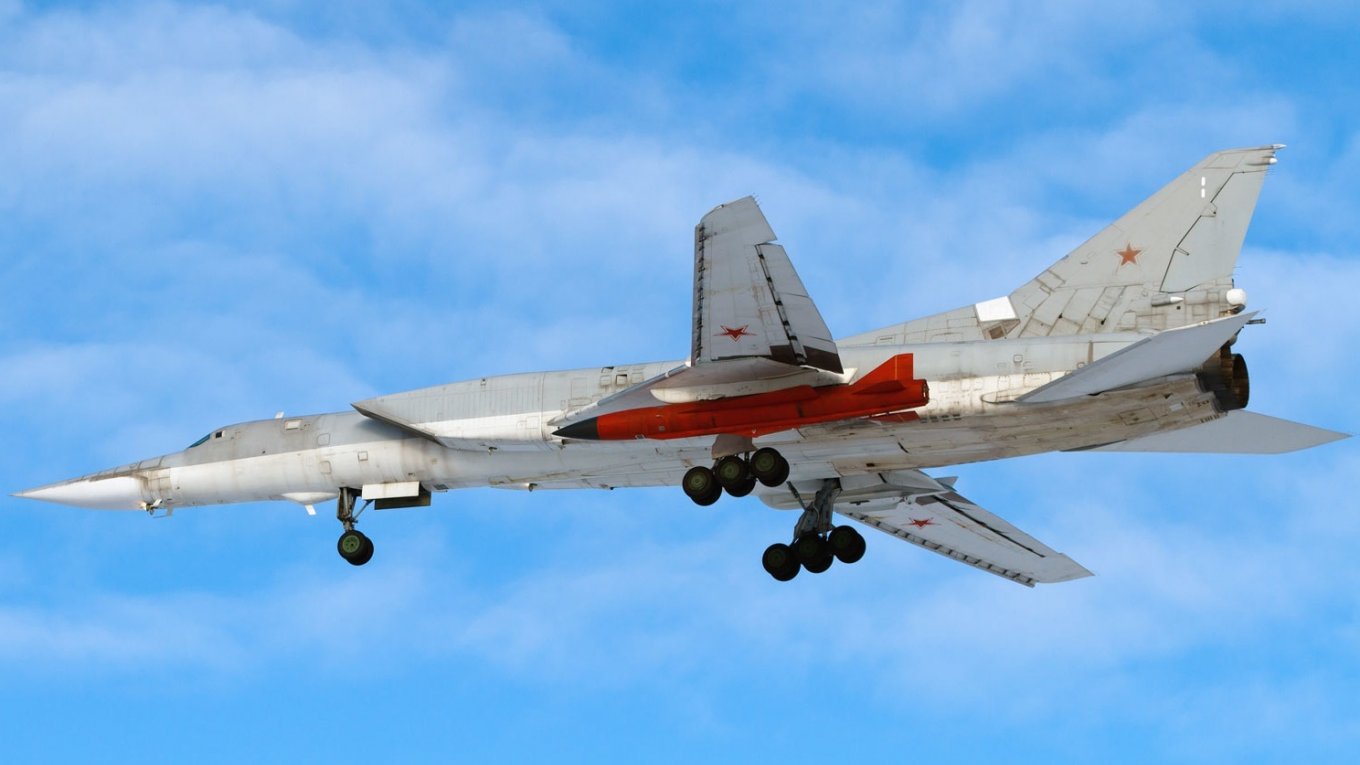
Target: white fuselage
(496, 431)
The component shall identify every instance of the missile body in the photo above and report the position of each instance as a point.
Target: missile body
(890, 388)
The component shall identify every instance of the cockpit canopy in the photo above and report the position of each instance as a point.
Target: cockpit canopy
(216, 434)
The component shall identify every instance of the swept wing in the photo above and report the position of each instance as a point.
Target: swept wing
(929, 513)
(748, 300)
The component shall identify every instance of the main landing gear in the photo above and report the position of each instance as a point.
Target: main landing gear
(354, 546)
(816, 543)
(735, 475)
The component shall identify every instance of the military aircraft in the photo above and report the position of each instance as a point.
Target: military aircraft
(1125, 344)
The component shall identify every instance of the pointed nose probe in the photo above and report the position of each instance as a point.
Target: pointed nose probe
(123, 492)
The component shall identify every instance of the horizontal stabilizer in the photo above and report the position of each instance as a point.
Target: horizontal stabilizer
(1165, 353)
(1238, 432)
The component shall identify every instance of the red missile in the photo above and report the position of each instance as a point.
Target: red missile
(892, 387)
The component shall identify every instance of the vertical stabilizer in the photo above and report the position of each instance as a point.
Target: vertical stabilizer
(1166, 263)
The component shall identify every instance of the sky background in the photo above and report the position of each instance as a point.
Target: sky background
(209, 213)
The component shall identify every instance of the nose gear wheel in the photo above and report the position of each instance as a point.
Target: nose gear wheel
(355, 547)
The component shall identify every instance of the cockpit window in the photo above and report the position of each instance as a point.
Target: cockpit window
(203, 440)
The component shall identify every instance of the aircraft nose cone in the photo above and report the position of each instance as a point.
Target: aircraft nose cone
(122, 492)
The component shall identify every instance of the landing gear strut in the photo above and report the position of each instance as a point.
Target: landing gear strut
(354, 546)
(735, 475)
(816, 542)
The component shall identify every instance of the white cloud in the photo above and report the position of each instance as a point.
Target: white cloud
(629, 604)
(216, 216)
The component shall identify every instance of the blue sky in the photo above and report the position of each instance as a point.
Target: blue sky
(211, 213)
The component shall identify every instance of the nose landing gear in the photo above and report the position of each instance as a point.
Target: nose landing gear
(354, 546)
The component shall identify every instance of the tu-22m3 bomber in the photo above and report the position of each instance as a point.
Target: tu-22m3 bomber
(1125, 344)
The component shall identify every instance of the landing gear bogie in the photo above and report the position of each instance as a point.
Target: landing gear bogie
(735, 475)
(816, 542)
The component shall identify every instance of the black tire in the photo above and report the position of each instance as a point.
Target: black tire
(769, 466)
(744, 488)
(731, 471)
(779, 478)
(846, 544)
(367, 554)
(714, 494)
(699, 483)
(814, 553)
(780, 562)
(354, 547)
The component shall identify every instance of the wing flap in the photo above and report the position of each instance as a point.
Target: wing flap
(1165, 353)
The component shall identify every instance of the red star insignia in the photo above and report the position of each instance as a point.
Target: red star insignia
(736, 333)
(921, 523)
(1128, 254)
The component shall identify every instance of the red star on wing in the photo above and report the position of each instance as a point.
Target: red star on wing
(1128, 254)
(921, 523)
(736, 333)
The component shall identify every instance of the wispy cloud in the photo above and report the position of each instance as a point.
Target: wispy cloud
(213, 213)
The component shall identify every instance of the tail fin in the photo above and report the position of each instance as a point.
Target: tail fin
(1166, 263)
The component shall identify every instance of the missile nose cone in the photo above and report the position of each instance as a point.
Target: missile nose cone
(585, 430)
(122, 492)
